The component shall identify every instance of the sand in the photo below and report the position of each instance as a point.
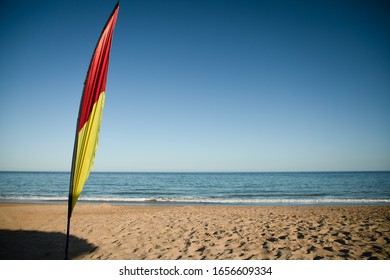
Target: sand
(37, 231)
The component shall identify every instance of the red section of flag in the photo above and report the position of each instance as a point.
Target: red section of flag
(95, 82)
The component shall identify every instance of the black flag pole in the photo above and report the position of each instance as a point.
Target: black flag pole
(70, 199)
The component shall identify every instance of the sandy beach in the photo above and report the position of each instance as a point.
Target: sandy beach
(37, 231)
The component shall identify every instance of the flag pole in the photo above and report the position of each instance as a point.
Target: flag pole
(70, 199)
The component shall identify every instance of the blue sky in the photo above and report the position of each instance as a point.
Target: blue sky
(200, 85)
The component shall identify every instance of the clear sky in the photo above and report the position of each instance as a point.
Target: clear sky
(200, 85)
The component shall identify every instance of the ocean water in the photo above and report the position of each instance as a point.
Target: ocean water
(295, 188)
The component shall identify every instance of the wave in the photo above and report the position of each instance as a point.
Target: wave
(206, 200)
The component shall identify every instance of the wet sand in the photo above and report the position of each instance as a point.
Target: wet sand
(37, 231)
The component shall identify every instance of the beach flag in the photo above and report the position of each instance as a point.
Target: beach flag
(90, 114)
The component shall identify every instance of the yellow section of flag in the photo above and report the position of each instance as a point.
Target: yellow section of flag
(87, 142)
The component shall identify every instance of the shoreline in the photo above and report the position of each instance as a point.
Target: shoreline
(155, 202)
(157, 232)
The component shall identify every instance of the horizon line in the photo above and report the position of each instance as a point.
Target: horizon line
(296, 171)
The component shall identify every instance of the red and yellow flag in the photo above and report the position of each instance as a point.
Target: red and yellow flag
(90, 113)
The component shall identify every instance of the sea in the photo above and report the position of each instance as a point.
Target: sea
(264, 188)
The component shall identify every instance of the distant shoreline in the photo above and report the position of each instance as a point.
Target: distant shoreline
(170, 203)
